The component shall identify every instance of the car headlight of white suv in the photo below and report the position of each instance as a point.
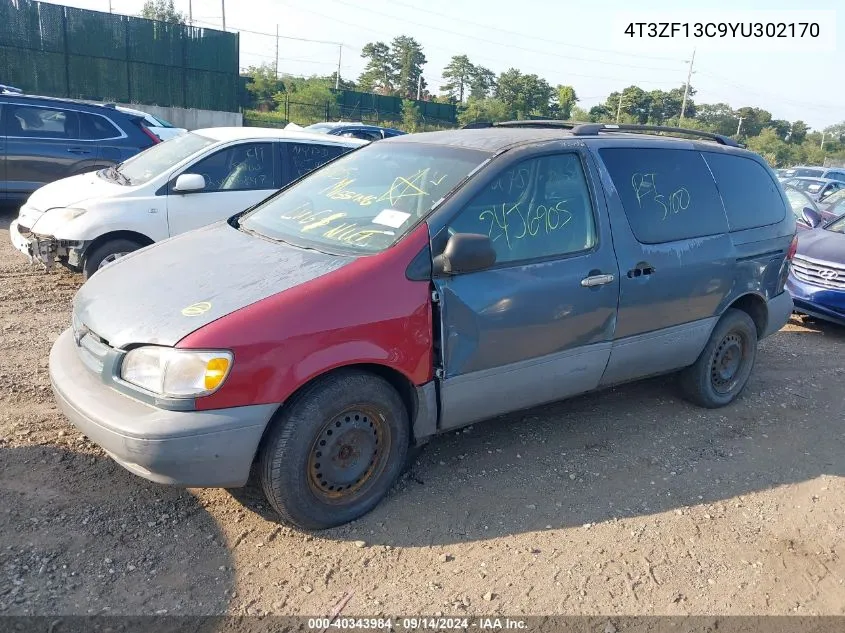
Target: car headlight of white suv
(176, 373)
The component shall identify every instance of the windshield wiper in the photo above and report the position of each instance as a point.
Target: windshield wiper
(116, 175)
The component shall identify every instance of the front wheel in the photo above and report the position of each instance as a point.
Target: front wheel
(106, 253)
(335, 450)
(722, 370)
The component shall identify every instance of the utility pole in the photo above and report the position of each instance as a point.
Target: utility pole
(190, 13)
(337, 77)
(223, 6)
(739, 126)
(823, 135)
(686, 88)
(109, 6)
(276, 67)
(619, 108)
(419, 86)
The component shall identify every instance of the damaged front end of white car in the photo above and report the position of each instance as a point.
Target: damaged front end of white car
(38, 236)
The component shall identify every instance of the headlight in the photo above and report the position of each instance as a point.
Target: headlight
(66, 213)
(176, 373)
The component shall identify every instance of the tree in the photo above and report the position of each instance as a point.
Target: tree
(770, 147)
(407, 60)
(379, 74)
(717, 117)
(798, 132)
(163, 11)
(753, 120)
(483, 110)
(411, 117)
(263, 84)
(566, 100)
(781, 128)
(636, 102)
(459, 71)
(524, 95)
(482, 83)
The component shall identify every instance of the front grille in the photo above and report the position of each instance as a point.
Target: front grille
(819, 273)
(91, 348)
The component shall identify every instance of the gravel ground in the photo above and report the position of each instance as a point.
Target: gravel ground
(628, 501)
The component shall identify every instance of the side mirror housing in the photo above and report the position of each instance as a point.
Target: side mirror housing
(811, 217)
(186, 183)
(465, 253)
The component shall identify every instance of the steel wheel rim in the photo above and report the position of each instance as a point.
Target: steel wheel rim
(108, 259)
(727, 362)
(348, 454)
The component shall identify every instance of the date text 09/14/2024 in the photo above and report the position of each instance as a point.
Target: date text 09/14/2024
(417, 623)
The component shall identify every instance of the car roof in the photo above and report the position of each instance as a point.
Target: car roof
(335, 125)
(495, 139)
(815, 179)
(61, 100)
(241, 133)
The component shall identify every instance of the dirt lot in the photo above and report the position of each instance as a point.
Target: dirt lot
(628, 501)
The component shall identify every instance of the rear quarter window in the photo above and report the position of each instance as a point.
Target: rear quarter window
(667, 194)
(749, 192)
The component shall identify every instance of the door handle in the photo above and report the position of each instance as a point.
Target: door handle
(597, 280)
(78, 150)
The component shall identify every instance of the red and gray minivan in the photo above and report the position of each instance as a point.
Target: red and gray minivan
(417, 285)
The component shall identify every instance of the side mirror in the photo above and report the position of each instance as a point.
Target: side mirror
(187, 183)
(811, 217)
(465, 253)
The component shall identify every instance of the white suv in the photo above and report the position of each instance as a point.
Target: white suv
(87, 221)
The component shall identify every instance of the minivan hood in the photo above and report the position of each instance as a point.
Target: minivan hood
(162, 293)
(822, 245)
(73, 191)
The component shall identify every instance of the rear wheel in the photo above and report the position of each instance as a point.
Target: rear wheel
(335, 450)
(723, 368)
(106, 253)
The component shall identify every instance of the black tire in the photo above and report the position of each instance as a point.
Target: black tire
(335, 451)
(722, 370)
(104, 251)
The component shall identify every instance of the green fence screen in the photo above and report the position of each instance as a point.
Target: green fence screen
(61, 51)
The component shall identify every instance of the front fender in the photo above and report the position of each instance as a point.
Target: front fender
(95, 223)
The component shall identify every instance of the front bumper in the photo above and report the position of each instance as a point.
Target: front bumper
(822, 303)
(46, 249)
(211, 449)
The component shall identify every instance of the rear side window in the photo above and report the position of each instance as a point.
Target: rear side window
(306, 157)
(750, 194)
(668, 194)
(95, 128)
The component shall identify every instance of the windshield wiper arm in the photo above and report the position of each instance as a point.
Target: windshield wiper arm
(116, 175)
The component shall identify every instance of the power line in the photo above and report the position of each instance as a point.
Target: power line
(512, 46)
(483, 57)
(284, 37)
(532, 36)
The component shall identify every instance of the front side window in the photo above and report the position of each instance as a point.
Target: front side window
(538, 208)
(243, 167)
(668, 194)
(366, 200)
(32, 122)
(161, 157)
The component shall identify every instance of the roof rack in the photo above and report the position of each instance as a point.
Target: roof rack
(591, 129)
(547, 123)
(4, 89)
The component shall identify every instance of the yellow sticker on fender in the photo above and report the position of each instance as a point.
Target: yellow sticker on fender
(196, 309)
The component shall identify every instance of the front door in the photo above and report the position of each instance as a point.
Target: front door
(236, 177)
(537, 326)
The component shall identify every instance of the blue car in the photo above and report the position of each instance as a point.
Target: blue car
(355, 130)
(817, 274)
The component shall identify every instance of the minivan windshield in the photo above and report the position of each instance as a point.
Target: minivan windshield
(366, 200)
(145, 166)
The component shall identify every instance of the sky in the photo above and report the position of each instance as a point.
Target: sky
(576, 44)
